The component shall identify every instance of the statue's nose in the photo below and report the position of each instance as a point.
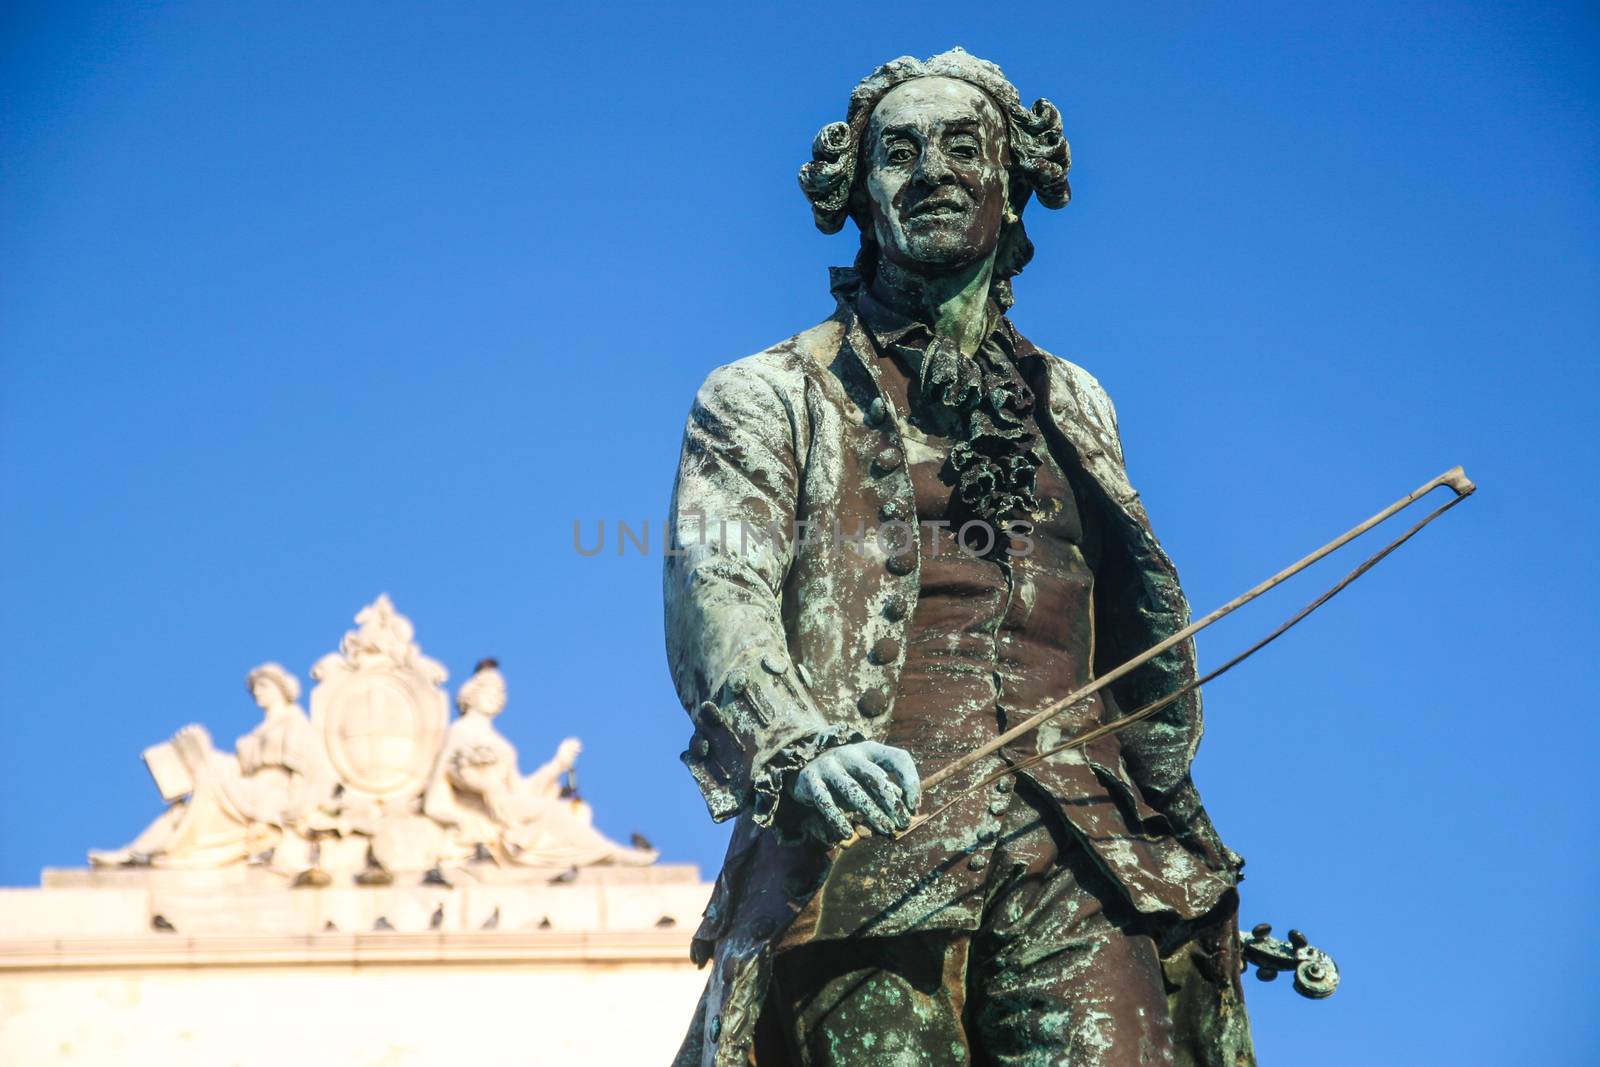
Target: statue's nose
(934, 168)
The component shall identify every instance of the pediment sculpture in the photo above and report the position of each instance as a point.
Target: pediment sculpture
(375, 783)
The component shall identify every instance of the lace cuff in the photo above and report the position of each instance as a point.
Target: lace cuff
(772, 782)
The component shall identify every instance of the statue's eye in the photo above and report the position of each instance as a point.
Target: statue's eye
(901, 153)
(964, 150)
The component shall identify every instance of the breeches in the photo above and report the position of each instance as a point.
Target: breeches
(1057, 973)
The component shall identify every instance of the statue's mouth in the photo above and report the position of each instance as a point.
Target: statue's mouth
(938, 207)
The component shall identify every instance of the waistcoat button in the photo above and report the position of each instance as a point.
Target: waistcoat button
(888, 459)
(895, 608)
(902, 564)
(874, 702)
(885, 650)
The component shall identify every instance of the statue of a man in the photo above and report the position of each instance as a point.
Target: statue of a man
(483, 800)
(264, 797)
(896, 535)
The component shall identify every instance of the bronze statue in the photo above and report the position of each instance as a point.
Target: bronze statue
(898, 534)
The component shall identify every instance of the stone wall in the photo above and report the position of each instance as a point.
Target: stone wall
(594, 971)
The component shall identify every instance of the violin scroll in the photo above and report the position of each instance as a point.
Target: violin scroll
(1315, 974)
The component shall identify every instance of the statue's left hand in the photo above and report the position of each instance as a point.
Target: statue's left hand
(567, 753)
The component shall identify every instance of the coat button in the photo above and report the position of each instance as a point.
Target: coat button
(775, 662)
(888, 460)
(876, 411)
(874, 702)
(738, 682)
(885, 650)
(977, 863)
(902, 564)
(1003, 785)
(986, 835)
(895, 608)
(700, 746)
(891, 511)
(999, 805)
(716, 1028)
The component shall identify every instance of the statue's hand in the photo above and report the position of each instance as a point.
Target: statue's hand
(567, 753)
(193, 743)
(861, 782)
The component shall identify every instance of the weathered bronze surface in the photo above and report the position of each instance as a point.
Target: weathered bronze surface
(897, 534)
(1315, 974)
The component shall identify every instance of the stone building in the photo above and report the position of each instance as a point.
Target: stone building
(370, 884)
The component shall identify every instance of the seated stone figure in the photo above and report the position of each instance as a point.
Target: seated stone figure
(485, 803)
(262, 799)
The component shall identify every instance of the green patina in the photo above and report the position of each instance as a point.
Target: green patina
(1083, 914)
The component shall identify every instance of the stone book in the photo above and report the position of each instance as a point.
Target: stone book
(172, 777)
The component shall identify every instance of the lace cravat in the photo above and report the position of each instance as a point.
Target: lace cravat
(987, 405)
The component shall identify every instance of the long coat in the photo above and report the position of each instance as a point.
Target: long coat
(774, 605)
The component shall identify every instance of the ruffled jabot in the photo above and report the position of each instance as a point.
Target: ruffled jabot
(996, 457)
(981, 401)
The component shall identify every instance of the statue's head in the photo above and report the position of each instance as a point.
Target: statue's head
(272, 686)
(485, 692)
(935, 161)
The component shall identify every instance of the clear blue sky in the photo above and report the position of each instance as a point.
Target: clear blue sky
(303, 303)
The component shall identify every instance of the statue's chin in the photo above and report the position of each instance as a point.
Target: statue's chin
(938, 250)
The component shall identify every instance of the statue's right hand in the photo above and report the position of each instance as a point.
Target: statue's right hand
(862, 782)
(192, 742)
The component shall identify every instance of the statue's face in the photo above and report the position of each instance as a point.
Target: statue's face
(266, 693)
(936, 174)
(488, 697)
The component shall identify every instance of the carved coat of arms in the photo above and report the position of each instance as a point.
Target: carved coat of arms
(377, 781)
(379, 707)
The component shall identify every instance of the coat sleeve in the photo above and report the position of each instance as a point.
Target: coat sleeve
(733, 531)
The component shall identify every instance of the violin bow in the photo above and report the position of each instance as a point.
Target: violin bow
(1455, 478)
